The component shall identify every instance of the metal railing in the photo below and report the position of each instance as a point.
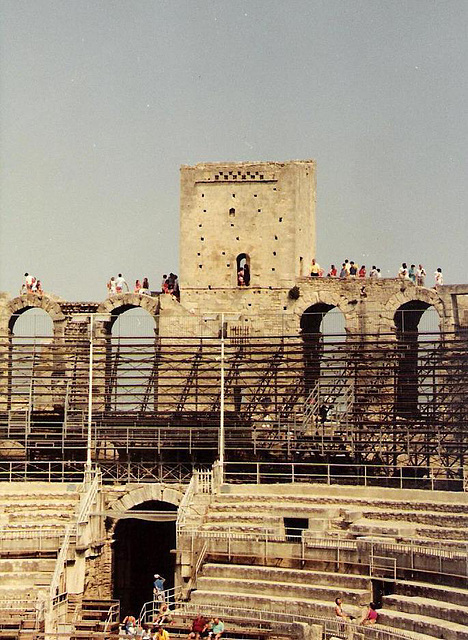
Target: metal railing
(32, 539)
(299, 544)
(61, 563)
(332, 626)
(346, 473)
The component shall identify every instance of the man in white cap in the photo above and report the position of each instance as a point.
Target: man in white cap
(158, 588)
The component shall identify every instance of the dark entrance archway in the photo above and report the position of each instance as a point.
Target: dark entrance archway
(407, 320)
(142, 547)
(312, 337)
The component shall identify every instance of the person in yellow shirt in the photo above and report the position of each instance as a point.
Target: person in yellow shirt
(161, 633)
(315, 269)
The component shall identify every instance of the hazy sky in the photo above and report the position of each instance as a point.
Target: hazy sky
(102, 101)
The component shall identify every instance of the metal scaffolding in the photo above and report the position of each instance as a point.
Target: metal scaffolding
(397, 400)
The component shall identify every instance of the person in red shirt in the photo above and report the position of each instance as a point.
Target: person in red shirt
(199, 626)
(362, 271)
(333, 272)
(370, 617)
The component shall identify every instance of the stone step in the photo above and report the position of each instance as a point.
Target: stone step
(441, 593)
(348, 494)
(33, 503)
(40, 517)
(420, 623)
(270, 603)
(282, 508)
(367, 527)
(27, 580)
(428, 606)
(285, 575)
(26, 565)
(300, 591)
(242, 518)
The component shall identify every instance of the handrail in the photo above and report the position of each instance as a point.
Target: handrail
(61, 561)
(112, 615)
(332, 626)
(268, 537)
(368, 475)
(186, 502)
(89, 497)
(149, 608)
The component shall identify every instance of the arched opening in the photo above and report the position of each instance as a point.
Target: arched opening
(131, 360)
(243, 270)
(144, 540)
(321, 325)
(415, 321)
(30, 360)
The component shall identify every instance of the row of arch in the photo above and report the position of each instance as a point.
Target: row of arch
(397, 314)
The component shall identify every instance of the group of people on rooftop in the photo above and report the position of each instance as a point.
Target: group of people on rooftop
(31, 285)
(350, 269)
(170, 285)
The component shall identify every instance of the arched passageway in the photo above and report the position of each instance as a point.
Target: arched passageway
(412, 320)
(31, 353)
(142, 547)
(320, 324)
(131, 359)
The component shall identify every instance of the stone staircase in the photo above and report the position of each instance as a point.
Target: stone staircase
(356, 511)
(33, 517)
(276, 589)
(356, 515)
(442, 611)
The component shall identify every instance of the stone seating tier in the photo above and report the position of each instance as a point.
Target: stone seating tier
(338, 581)
(433, 626)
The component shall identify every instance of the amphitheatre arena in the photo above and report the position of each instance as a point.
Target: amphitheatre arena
(266, 447)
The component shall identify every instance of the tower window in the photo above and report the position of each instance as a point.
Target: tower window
(243, 270)
(232, 212)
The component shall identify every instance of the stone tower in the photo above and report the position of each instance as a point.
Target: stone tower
(259, 213)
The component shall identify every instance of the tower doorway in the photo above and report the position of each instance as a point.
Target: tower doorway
(142, 547)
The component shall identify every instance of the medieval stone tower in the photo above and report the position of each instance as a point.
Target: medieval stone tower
(262, 214)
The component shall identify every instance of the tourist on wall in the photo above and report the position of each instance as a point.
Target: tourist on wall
(120, 283)
(439, 278)
(373, 272)
(112, 287)
(353, 269)
(403, 271)
(137, 288)
(145, 287)
(362, 271)
(314, 269)
(412, 273)
(420, 276)
(332, 273)
(344, 272)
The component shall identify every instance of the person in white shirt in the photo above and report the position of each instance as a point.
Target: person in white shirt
(373, 272)
(420, 276)
(120, 283)
(403, 271)
(439, 278)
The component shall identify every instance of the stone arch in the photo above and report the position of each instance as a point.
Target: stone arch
(115, 305)
(151, 491)
(412, 295)
(330, 299)
(20, 304)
